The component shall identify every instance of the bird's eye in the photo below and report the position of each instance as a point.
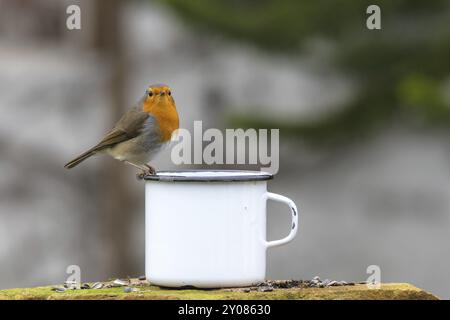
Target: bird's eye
(169, 93)
(150, 93)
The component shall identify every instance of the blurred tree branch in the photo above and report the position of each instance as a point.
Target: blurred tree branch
(117, 197)
(400, 70)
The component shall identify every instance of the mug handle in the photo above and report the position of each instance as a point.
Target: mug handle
(294, 214)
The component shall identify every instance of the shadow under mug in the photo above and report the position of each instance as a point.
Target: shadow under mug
(207, 229)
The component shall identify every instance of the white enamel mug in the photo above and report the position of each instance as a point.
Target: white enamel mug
(207, 229)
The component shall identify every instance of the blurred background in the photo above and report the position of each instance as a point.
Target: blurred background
(364, 118)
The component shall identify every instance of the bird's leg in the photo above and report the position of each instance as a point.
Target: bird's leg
(144, 169)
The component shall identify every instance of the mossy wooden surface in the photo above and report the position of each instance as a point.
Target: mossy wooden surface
(387, 291)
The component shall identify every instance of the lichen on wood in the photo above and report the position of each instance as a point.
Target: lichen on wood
(149, 292)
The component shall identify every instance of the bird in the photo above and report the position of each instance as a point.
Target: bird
(141, 133)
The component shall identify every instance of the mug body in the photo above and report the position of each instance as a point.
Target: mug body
(205, 233)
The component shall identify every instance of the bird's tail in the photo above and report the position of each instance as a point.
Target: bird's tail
(79, 159)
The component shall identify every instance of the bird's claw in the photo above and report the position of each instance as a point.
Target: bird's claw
(150, 171)
(140, 175)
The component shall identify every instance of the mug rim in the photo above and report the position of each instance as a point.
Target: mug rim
(209, 176)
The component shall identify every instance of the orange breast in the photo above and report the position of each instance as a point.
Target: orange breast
(166, 115)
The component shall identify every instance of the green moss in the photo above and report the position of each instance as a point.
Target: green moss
(387, 291)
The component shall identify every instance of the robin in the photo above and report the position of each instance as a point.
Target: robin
(141, 132)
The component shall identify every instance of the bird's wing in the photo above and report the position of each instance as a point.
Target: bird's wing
(129, 126)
